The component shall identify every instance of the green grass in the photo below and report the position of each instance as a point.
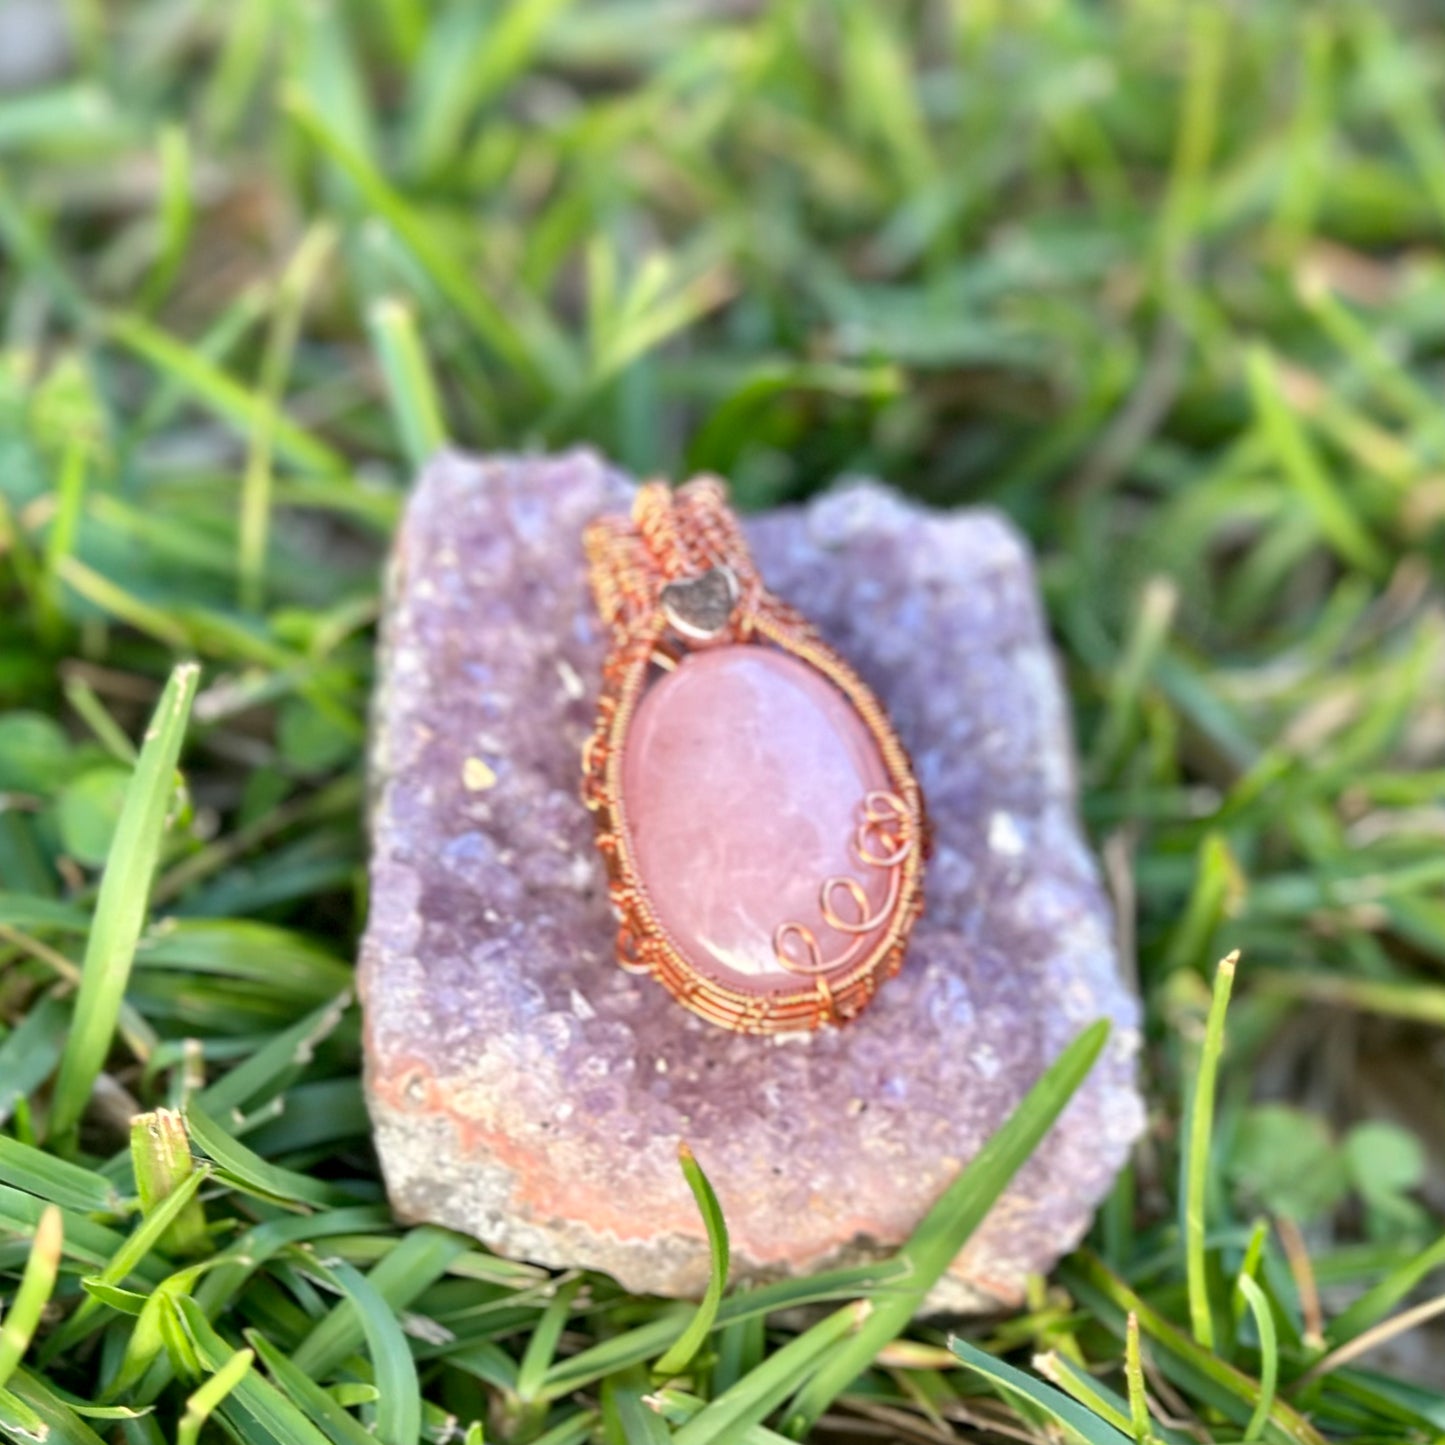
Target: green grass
(1163, 281)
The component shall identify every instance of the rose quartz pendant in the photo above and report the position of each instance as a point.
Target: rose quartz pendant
(760, 822)
(741, 779)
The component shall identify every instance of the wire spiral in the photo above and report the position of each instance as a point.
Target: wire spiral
(883, 839)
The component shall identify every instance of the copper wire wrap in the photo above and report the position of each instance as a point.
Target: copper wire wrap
(669, 536)
(675, 538)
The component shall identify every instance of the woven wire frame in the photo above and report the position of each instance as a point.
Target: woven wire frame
(673, 535)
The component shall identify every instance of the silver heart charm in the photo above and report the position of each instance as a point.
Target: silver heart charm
(700, 607)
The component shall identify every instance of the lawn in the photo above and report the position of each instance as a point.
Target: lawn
(1163, 281)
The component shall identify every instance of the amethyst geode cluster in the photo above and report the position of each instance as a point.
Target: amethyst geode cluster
(527, 1091)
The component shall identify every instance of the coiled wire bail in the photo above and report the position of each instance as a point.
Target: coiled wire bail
(672, 537)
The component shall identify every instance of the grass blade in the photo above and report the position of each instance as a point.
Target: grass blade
(1134, 1377)
(254, 530)
(177, 213)
(252, 1399)
(416, 1262)
(760, 1392)
(130, 1256)
(542, 1345)
(121, 905)
(1061, 1408)
(627, 1418)
(23, 1316)
(31, 1051)
(57, 1180)
(410, 383)
(947, 1226)
(202, 1403)
(1180, 1357)
(245, 1167)
(1337, 520)
(201, 378)
(1199, 1136)
(1096, 1397)
(398, 1410)
(323, 1408)
(680, 1356)
(1381, 1298)
(487, 318)
(269, 1069)
(1268, 1356)
(59, 1423)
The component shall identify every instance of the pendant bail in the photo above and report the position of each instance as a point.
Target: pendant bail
(680, 559)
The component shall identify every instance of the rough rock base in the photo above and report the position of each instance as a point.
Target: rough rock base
(528, 1092)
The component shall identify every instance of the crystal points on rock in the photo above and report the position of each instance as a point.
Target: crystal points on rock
(742, 780)
(526, 1090)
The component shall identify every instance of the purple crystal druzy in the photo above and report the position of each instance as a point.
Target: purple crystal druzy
(527, 1091)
